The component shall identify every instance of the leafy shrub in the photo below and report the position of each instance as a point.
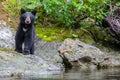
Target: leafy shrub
(72, 12)
(12, 5)
(66, 12)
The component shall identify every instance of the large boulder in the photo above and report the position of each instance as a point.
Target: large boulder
(86, 55)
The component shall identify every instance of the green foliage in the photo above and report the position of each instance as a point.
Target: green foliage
(118, 4)
(12, 5)
(63, 11)
(66, 12)
(30, 4)
(70, 12)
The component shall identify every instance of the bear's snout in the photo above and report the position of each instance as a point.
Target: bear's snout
(27, 20)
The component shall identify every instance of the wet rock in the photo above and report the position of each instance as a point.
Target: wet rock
(48, 50)
(86, 55)
(85, 59)
(15, 64)
(6, 36)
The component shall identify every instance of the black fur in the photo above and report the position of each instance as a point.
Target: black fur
(27, 37)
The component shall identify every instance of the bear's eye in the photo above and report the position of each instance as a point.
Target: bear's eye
(24, 17)
(31, 17)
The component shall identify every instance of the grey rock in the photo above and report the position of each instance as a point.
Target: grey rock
(75, 50)
(6, 36)
(15, 64)
(48, 50)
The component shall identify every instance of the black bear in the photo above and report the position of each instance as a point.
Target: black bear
(25, 34)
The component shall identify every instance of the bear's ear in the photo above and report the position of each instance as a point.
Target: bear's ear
(34, 12)
(22, 11)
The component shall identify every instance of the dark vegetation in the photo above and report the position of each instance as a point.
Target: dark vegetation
(60, 19)
(112, 22)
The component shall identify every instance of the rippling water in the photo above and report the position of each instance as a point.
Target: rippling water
(75, 74)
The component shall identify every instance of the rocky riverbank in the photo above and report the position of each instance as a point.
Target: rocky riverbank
(16, 64)
(50, 57)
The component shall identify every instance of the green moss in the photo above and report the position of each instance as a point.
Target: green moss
(5, 49)
(51, 33)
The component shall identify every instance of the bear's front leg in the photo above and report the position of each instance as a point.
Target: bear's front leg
(18, 46)
(27, 43)
(26, 50)
(32, 49)
(18, 41)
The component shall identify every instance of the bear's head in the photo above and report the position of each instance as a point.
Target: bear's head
(27, 17)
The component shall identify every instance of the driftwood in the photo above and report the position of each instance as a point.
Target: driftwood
(66, 62)
(112, 21)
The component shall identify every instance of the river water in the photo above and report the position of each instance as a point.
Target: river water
(75, 74)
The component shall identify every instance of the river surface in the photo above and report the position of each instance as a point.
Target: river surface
(75, 74)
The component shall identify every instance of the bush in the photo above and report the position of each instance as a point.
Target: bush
(66, 12)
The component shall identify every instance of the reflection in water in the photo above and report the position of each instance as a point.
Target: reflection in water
(103, 74)
(75, 74)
